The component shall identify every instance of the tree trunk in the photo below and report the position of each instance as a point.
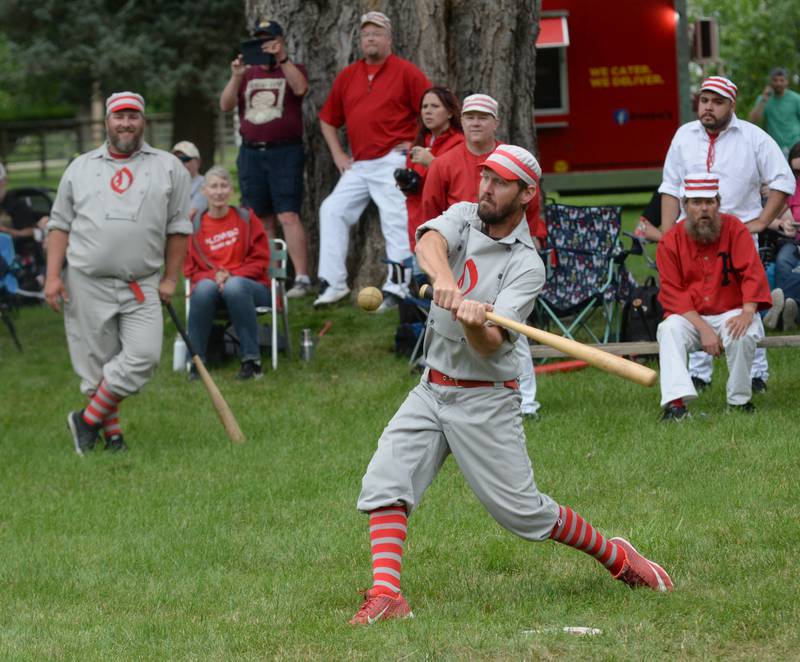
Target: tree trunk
(470, 45)
(194, 120)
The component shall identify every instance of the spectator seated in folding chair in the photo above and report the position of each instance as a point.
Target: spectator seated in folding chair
(228, 263)
(8, 286)
(583, 275)
(23, 215)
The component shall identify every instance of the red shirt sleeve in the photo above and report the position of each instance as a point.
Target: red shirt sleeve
(332, 111)
(256, 260)
(434, 195)
(536, 223)
(673, 294)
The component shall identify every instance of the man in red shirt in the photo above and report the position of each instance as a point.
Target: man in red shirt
(712, 286)
(377, 99)
(455, 177)
(270, 163)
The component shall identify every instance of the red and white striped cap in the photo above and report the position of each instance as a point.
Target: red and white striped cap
(701, 185)
(512, 162)
(479, 103)
(124, 101)
(722, 86)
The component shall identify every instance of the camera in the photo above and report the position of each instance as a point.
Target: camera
(408, 181)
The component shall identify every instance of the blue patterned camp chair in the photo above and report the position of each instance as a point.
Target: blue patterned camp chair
(584, 278)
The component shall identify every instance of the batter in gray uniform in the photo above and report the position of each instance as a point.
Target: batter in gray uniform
(479, 258)
(121, 213)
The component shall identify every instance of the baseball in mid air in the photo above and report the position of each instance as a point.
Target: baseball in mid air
(369, 298)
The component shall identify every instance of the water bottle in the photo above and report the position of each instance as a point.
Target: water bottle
(307, 345)
(179, 355)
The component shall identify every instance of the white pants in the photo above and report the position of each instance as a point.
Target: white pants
(677, 335)
(364, 180)
(527, 376)
(701, 365)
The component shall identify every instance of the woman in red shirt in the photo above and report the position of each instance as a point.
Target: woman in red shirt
(439, 131)
(227, 262)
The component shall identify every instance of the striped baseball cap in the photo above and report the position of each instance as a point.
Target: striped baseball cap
(512, 162)
(479, 103)
(721, 85)
(701, 185)
(124, 101)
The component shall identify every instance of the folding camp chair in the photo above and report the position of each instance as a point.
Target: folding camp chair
(278, 273)
(583, 276)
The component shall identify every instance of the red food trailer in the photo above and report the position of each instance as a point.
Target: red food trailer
(612, 86)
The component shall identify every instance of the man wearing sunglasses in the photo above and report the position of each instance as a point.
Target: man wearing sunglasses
(189, 155)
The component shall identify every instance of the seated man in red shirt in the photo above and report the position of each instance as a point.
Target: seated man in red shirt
(227, 263)
(712, 286)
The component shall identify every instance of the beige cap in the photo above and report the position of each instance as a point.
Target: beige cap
(376, 18)
(188, 148)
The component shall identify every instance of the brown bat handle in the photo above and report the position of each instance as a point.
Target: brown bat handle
(616, 365)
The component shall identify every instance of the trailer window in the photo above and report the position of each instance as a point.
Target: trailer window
(550, 93)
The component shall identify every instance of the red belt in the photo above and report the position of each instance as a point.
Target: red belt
(436, 377)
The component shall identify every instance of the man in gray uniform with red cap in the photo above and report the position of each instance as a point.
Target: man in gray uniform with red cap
(479, 257)
(120, 215)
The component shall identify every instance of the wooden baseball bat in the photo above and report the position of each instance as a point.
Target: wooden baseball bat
(223, 410)
(616, 365)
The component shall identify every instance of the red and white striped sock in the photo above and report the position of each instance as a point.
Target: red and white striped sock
(103, 402)
(387, 535)
(111, 425)
(571, 529)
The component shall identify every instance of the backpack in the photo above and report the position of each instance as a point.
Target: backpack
(642, 313)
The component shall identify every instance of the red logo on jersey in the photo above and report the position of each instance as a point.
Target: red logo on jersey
(468, 276)
(122, 180)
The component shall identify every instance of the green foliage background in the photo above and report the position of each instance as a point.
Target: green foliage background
(52, 51)
(755, 36)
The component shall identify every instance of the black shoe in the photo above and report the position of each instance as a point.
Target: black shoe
(746, 408)
(83, 435)
(675, 413)
(193, 375)
(700, 384)
(758, 385)
(116, 444)
(250, 370)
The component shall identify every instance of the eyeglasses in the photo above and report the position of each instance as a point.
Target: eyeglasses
(183, 158)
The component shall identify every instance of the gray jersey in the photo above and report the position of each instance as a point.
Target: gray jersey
(118, 212)
(507, 273)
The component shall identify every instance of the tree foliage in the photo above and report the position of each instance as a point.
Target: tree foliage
(159, 47)
(755, 36)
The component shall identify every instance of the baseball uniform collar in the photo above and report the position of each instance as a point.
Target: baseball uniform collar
(519, 233)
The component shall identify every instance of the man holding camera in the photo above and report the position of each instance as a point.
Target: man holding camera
(377, 99)
(269, 98)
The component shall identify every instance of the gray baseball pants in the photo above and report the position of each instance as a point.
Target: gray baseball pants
(482, 428)
(110, 334)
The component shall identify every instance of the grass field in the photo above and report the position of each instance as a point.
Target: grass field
(190, 548)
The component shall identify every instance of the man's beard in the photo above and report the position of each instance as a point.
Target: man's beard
(126, 143)
(705, 233)
(716, 125)
(499, 215)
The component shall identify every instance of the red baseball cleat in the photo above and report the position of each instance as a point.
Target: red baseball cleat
(639, 571)
(381, 607)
